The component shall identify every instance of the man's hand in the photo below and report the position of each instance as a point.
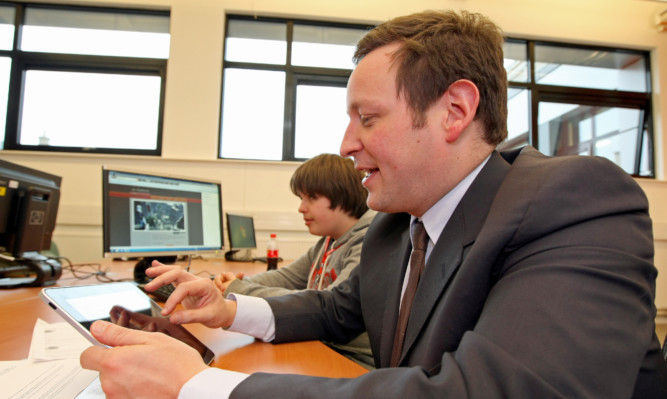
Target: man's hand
(200, 298)
(223, 280)
(140, 363)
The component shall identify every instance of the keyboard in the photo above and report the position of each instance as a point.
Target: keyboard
(161, 294)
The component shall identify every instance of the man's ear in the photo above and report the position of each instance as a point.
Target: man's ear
(461, 100)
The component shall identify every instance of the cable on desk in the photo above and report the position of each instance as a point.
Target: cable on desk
(187, 268)
(78, 270)
(207, 273)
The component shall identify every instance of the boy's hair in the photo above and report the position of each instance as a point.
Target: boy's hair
(335, 178)
(439, 48)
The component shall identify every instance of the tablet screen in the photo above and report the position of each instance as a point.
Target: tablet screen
(119, 303)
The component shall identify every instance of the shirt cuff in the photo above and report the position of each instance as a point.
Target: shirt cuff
(253, 317)
(211, 383)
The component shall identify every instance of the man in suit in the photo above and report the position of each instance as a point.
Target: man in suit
(538, 280)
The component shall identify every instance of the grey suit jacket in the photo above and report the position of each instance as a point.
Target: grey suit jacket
(541, 285)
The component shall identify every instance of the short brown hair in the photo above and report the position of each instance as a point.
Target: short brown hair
(439, 48)
(334, 177)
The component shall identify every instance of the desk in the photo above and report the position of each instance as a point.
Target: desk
(21, 307)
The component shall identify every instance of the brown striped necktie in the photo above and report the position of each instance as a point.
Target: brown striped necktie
(419, 243)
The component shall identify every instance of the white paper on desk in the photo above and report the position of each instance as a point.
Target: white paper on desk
(53, 341)
(54, 379)
(9, 365)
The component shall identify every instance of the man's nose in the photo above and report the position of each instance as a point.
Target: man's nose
(350, 143)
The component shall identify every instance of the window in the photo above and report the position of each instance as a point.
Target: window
(569, 100)
(284, 87)
(284, 94)
(83, 79)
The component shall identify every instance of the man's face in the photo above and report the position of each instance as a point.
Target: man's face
(400, 160)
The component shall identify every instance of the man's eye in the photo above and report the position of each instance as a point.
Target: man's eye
(365, 120)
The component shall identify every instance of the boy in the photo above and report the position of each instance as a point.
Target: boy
(333, 205)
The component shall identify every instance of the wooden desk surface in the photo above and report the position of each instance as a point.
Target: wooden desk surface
(21, 307)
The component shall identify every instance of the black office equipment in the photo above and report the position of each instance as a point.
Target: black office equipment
(241, 232)
(29, 201)
(140, 277)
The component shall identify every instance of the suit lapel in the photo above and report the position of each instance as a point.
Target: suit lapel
(449, 252)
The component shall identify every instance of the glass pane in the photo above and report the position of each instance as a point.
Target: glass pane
(6, 28)
(518, 118)
(594, 69)
(95, 33)
(5, 68)
(252, 114)
(90, 110)
(516, 61)
(645, 164)
(321, 120)
(325, 47)
(610, 132)
(256, 42)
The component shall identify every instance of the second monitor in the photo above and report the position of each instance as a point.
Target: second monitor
(242, 242)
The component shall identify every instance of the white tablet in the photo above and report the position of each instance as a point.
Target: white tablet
(120, 303)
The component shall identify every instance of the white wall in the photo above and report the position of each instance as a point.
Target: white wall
(261, 188)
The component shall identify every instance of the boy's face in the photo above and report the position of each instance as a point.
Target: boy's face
(320, 219)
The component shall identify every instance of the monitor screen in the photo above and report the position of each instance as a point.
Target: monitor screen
(29, 201)
(241, 231)
(154, 215)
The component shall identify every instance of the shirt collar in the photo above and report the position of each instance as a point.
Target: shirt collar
(436, 218)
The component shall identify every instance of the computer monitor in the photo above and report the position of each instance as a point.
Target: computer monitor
(157, 216)
(241, 232)
(29, 201)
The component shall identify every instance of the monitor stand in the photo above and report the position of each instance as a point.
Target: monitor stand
(239, 255)
(31, 269)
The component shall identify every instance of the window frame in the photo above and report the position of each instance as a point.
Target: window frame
(585, 96)
(23, 61)
(294, 75)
